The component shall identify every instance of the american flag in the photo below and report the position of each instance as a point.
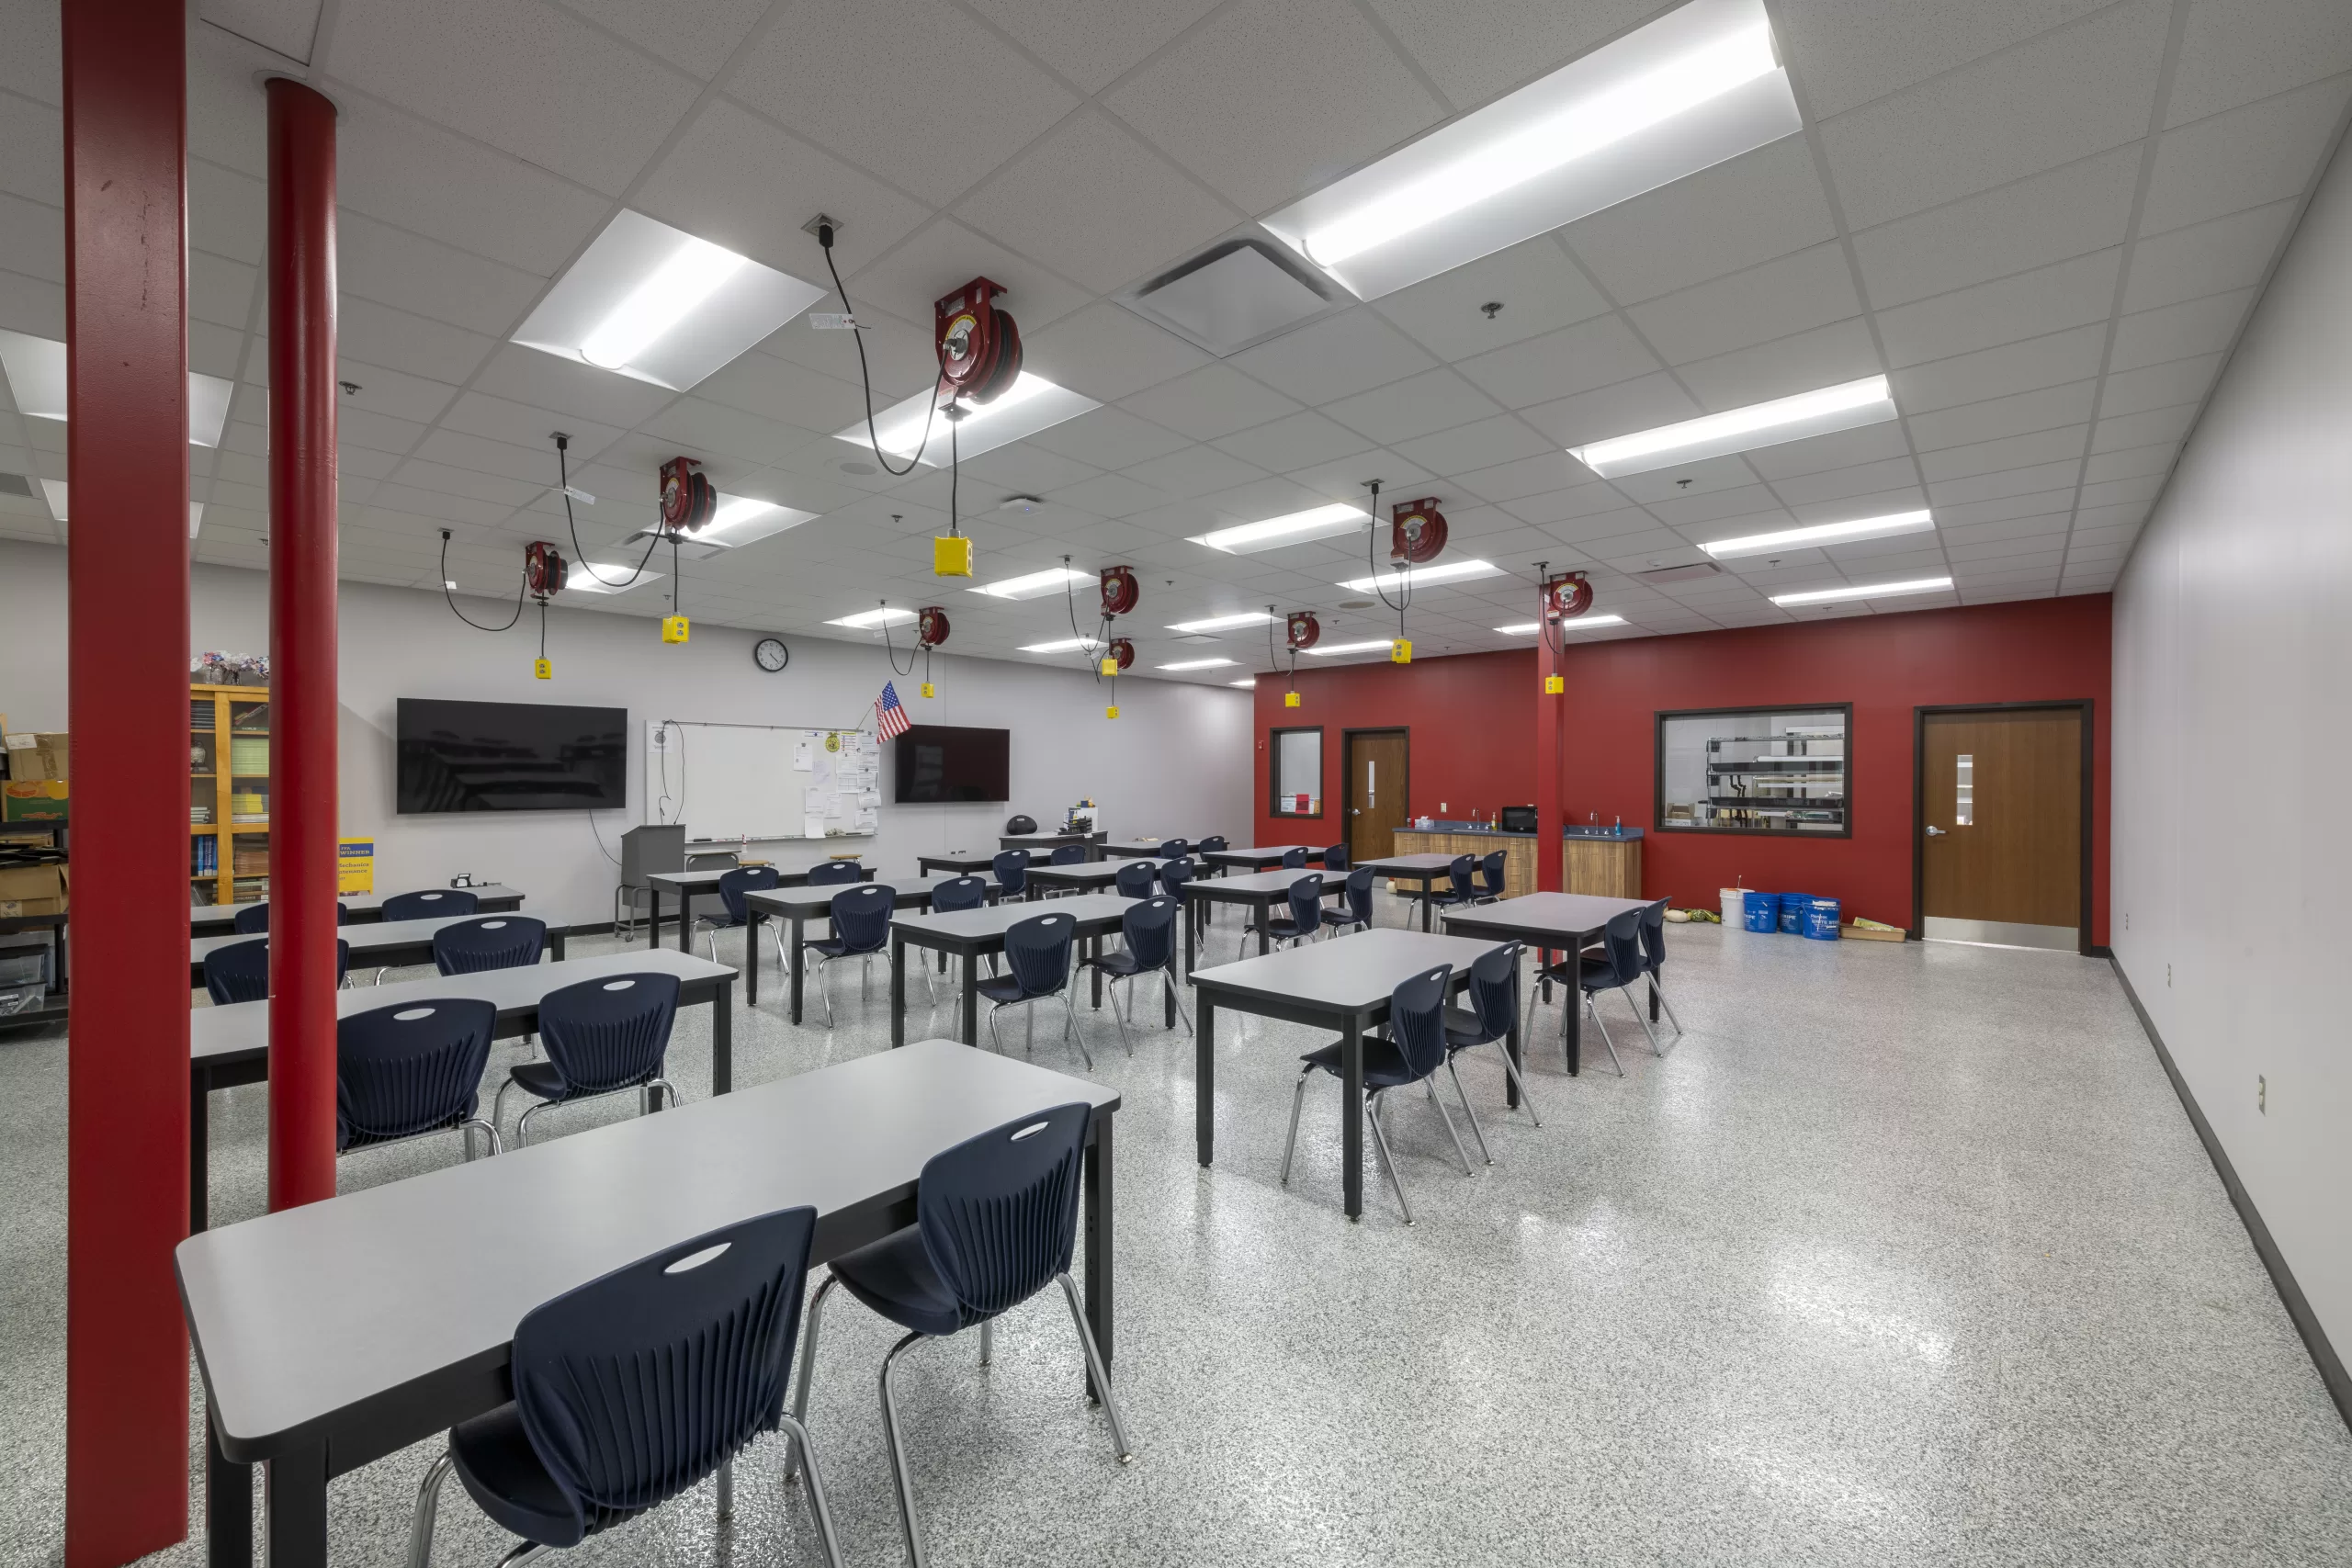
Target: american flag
(889, 716)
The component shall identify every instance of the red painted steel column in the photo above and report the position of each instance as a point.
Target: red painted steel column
(126, 305)
(1549, 811)
(303, 651)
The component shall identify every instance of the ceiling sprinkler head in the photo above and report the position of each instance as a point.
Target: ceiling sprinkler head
(1493, 308)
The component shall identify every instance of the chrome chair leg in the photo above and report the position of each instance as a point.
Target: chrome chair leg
(1297, 1098)
(1125, 1449)
(467, 1129)
(428, 1507)
(1590, 1006)
(896, 1445)
(987, 1340)
(1512, 1068)
(1069, 1022)
(808, 1370)
(523, 1122)
(798, 1435)
(524, 1552)
(996, 1041)
(1447, 1118)
(1659, 992)
(1476, 1130)
(1124, 1038)
(1388, 1161)
(1168, 981)
(726, 1487)
(1642, 1017)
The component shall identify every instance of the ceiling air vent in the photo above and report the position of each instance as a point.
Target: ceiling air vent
(1239, 291)
(1676, 573)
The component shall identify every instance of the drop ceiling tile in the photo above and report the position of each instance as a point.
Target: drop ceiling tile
(402, 172)
(738, 181)
(1895, 478)
(1465, 448)
(1112, 437)
(2143, 489)
(1295, 441)
(2044, 361)
(2030, 479)
(1849, 51)
(2159, 386)
(1021, 469)
(1106, 208)
(2144, 428)
(2041, 532)
(378, 432)
(2247, 157)
(542, 380)
(1819, 454)
(448, 508)
(910, 110)
(1109, 496)
(787, 393)
(1267, 98)
(1213, 401)
(1418, 405)
(1345, 479)
(1545, 475)
(1739, 214)
(1195, 471)
(518, 425)
(519, 74)
(2003, 512)
(489, 489)
(2207, 258)
(1351, 352)
(34, 134)
(697, 37)
(389, 391)
(2097, 538)
(393, 266)
(2077, 90)
(943, 255)
(2178, 331)
(1618, 409)
(228, 213)
(2067, 212)
(2010, 309)
(2009, 452)
(1539, 289)
(1824, 357)
(219, 291)
(1707, 512)
(2016, 414)
(2233, 53)
(2108, 467)
(1809, 289)
(533, 465)
(1475, 54)
(1093, 42)
(382, 336)
(1107, 353)
(1577, 359)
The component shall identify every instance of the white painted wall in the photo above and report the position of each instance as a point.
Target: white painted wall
(2233, 858)
(1176, 761)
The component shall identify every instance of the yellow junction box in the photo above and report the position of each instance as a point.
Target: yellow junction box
(1400, 652)
(951, 557)
(674, 628)
(542, 670)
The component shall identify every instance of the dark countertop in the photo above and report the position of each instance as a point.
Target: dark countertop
(1570, 831)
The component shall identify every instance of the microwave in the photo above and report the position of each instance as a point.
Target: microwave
(1518, 820)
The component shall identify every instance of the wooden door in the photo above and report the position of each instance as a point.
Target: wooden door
(2001, 817)
(1378, 760)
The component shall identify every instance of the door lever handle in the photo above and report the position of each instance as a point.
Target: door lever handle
(1935, 832)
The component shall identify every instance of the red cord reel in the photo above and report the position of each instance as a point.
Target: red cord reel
(1304, 630)
(979, 346)
(1122, 651)
(1567, 596)
(1418, 533)
(688, 501)
(931, 627)
(1119, 590)
(543, 571)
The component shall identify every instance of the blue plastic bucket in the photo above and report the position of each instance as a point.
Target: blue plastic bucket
(1791, 913)
(1763, 911)
(1820, 919)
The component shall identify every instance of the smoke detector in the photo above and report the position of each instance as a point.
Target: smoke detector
(1241, 291)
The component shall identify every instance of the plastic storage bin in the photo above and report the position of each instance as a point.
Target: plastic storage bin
(1763, 911)
(1735, 907)
(1791, 913)
(1820, 919)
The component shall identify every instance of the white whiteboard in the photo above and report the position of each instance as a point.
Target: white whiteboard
(762, 782)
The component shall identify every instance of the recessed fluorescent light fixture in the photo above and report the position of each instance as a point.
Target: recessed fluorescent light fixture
(1865, 590)
(1223, 623)
(586, 580)
(1031, 404)
(54, 490)
(1689, 90)
(1844, 407)
(1298, 527)
(1453, 572)
(1036, 585)
(738, 520)
(1380, 646)
(1246, 684)
(1581, 624)
(1199, 664)
(36, 367)
(1065, 646)
(659, 305)
(1885, 527)
(867, 620)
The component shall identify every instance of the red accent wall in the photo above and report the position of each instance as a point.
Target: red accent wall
(1473, 748)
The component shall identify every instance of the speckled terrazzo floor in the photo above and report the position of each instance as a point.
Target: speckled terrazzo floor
(1905, 1255)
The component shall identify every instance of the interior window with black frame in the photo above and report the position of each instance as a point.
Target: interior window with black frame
(1295, 774)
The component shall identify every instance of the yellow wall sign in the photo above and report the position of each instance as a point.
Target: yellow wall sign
(674, 628)
(355, 866)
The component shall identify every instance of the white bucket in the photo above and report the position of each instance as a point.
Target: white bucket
(1735, 908)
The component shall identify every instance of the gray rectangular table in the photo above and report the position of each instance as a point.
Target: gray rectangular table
(1549, 923)
(230, 1045)
(376, 944)
(974, 933)
(969, 863)
(221, 920)
(1423, 869)
(1144, 849)
(1090, 842)
(331, 1334)
(798, 905)
(1259, 892)
(1341, 985)
(1258, 857)
(1086, 876)
(688, 885)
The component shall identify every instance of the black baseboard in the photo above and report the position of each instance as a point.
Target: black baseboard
(2101, 950)
(2307, 1324)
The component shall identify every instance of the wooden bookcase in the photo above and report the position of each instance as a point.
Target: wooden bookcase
(228, 779)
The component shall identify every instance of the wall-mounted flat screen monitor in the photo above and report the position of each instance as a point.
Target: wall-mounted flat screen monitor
(941, 764)
(510, 756)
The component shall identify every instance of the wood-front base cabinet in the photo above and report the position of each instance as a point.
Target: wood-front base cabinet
(1607, 868)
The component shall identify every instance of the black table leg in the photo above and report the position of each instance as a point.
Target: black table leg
(1543, 967)
(1099, 1314)
(1510, 1079)
(1426, 902)
(1204, 1080)
(652, 916)
(1572, 1027)
(972, 998)
(199, 1155)
(722, 1037)
(1191, 947)
(295, 1489)
(1095, 951)
(1351, 1114)
(897, 984)
(1265, 938)
(1168, 998)
(686, 920)
(799, 966)
(751, 918)
(227, 1506)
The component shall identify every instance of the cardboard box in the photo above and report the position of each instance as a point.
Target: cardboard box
(35, 758)
(31, 890)
(42, 802)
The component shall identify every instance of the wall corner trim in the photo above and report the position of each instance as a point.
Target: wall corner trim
(2315, 1340)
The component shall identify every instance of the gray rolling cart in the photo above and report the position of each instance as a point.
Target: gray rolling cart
(648, 850)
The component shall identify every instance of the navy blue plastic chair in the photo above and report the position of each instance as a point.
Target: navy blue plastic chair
(1174, 874)
(955, 893)
(405, 1071)
(1147, 936)
(1174, 849)
(1011, 868)
(1654, 958)
(1294, 859)
(1410, 1051)
(1068, 854)
(1336, 858)
(1305, 917)
(1461, 884)
(733, 912)
(602, 1036)
(492, 941)
(995, 1221)
(1135, 879)
(1616, 968)
(1037, 960)
(825, 874)
(253, 919)
(1490, 879)
(432, 904)
(1494, 1008)
(238, 971)
(1214, 844)
(631, 1389)
(861, 916)
(1355, 905)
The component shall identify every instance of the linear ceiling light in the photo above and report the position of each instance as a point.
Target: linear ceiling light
(1843, 407)
(36, 367)
(1223, 623)
(867, 620)
(1199, 664)
(1065, 646)
(660, 305)
(585, 580)
(1885, 527)
(739, 520)
(1453, 572)
(1031, 404)
(1036, 585)
(1380, 645)
(1245, 683)
(1296, 528)
(1581, 624)
(1865, 590)
(54, 490)
(1684, 93)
